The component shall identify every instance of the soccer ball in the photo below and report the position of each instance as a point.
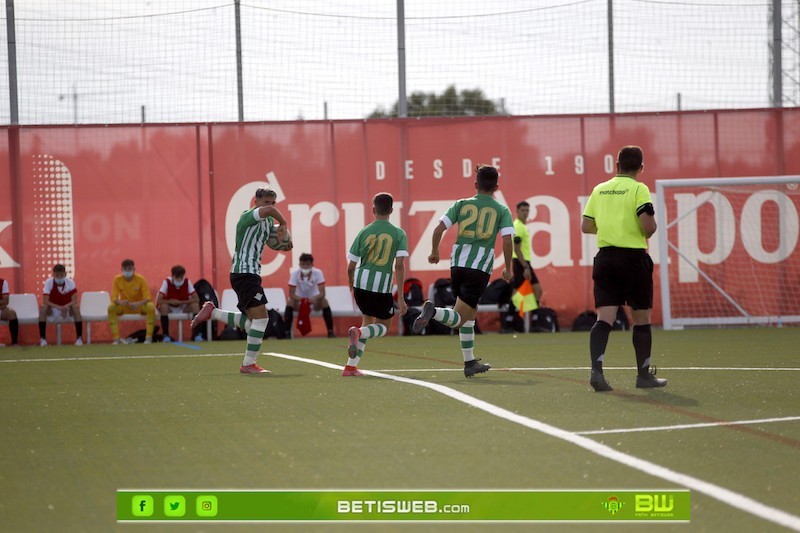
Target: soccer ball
(280, 246)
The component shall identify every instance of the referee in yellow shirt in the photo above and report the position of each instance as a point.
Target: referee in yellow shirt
(620, 211)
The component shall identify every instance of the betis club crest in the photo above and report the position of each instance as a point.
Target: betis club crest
(613, 505)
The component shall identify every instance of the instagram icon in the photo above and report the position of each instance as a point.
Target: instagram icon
(206, 505)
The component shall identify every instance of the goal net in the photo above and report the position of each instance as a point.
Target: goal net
(732, 245)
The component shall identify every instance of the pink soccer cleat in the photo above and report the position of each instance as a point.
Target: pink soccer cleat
(354, 334)
(204, 314)
(253, 369)
(351, 371)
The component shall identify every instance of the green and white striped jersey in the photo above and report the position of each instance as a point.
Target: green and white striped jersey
(479, 220)
(251, 237)
(375, 248)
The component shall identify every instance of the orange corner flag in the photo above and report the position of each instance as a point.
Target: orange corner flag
(524, 299)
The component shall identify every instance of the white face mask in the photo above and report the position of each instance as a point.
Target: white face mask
(60, 281)
(305, 271)
(127, 273)
(178, 283)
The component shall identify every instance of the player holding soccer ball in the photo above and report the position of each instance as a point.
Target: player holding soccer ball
(252, 233)
(621, 213)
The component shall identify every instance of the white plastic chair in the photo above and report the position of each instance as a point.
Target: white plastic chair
(27, 307)
(180, 318)
(24, 305)
(229, 301)
(341, 301)
(276, 299)
(94, 308)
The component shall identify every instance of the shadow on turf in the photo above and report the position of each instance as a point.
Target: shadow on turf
(270, 375)
(657, 396)
(489, 381)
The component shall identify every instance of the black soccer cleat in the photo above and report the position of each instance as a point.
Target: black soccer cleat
(424, 317)
(598, 382)
(651, 381)
(474, 367)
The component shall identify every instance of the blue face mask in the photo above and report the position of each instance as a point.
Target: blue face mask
(60, 281)
(177, 283)
(127, 273)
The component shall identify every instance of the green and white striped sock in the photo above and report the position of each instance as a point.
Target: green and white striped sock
(373, 330)
(353, 361)
(255, 335)
(467, 336)
(231, 318)
(448, 317)
(243, 322)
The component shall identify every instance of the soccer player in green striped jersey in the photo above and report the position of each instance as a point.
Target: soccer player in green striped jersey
(252, 232)
(479, 221)
(377, 250)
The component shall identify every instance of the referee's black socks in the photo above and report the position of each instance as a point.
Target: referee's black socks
(598, 340)
(642, 343)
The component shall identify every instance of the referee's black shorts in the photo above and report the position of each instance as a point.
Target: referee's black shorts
(468, 284)
(519, 274)
(623, 276)
(248, 289)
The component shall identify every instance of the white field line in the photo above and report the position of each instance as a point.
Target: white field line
(689, 426)
(555, 368)
(396, 370)
(113, 357)
(734, 499)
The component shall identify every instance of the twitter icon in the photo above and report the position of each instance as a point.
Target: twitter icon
(174, 505)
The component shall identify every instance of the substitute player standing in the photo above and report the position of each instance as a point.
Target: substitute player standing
(479, 220)
(620, 211)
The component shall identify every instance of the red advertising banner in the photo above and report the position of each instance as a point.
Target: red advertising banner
(91, 196)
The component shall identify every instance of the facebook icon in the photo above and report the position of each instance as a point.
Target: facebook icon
(142, 505)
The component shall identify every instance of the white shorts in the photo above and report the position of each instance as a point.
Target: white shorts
(177, 308)
(55, 315)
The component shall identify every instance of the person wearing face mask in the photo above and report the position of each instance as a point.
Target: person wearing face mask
(131, 295)
(176, 295)
(307, 282)
(60, 300)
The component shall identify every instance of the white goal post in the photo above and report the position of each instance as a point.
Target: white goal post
(728, 249)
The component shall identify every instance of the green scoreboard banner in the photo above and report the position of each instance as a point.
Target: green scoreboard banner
(141, 505)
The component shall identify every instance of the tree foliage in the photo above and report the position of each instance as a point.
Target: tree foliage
(451, 103)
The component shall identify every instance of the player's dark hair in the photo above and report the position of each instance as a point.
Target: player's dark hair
(523, 203)
(178, 271)
(262, 192)
(127, 263)
(60, 268)
(629, 159)
(487, 178)
(306, 257)
(383, 202)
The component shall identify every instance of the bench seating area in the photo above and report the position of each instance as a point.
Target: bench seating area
(339, 298)
(94, 308)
